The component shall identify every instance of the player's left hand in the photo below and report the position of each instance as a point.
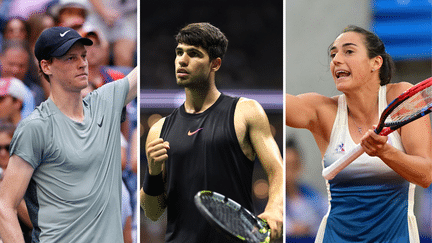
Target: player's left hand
(275, 221)
(374, 144)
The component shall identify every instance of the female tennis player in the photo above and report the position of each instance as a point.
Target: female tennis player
(372, 199)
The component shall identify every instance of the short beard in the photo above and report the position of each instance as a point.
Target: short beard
(202, 83)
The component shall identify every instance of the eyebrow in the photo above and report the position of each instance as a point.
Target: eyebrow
(344, 45)
(187, 49)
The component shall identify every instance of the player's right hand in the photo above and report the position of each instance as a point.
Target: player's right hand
(157, 153)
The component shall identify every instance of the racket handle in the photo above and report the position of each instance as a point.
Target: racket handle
(331, 171)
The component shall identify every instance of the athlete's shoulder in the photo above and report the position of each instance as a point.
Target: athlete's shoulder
(251, 112)
(249, 106)
(318, 99)
(32, 132)
(38, 117)
(248, 102)
(311, 100)
(396, 89)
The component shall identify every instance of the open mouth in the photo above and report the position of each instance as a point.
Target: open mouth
(182, 73)
(342, 74)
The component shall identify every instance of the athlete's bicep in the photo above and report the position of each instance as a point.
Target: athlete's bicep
(260, 135)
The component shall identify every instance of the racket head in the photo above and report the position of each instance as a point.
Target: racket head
(231, 218)
(412, 104)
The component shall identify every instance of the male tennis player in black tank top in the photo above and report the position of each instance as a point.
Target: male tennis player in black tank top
(208, 143)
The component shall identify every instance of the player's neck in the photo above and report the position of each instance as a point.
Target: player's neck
(363, 102)
(199, 100)
(71, 105)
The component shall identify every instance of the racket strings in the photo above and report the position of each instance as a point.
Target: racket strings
(234, 219)
(411, 107)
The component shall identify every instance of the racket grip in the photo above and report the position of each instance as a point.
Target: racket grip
(331, 171)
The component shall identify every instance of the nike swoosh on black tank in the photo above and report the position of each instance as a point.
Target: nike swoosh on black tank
(210, 159)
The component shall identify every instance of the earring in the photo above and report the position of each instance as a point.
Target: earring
(373, 70)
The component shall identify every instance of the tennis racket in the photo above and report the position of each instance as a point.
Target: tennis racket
(407, 107)
(231, 218)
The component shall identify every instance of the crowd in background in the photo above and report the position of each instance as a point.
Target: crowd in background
(112, 26)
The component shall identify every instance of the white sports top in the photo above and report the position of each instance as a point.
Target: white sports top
(368, 201)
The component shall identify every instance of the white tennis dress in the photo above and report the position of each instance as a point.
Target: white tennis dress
(368, 201)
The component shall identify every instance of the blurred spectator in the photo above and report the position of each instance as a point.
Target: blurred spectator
(70, 13)
(16, 29)
(6, 132)
(38, 22)
(117, 19)
(425, 215)
(4, 12)
(16, 100)
(25, 8)
(305, 206)
(16, 61)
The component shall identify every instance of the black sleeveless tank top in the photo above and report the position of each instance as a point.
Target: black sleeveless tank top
(204, 154)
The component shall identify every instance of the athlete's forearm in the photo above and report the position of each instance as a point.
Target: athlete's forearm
(413, 168)
(10, 230)
(273, 212)
(275, 201)
(153, 206)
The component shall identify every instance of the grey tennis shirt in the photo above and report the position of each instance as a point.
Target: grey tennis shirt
(75, 192)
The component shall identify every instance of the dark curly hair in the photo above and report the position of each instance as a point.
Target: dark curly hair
(205, 35)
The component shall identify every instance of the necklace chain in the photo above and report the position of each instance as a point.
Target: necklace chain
(352, 118)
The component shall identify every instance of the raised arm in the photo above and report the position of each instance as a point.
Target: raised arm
(270, 157)
(313, 112)
(153, 201)
(132, 78)
(302, 110)
(13, 187)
